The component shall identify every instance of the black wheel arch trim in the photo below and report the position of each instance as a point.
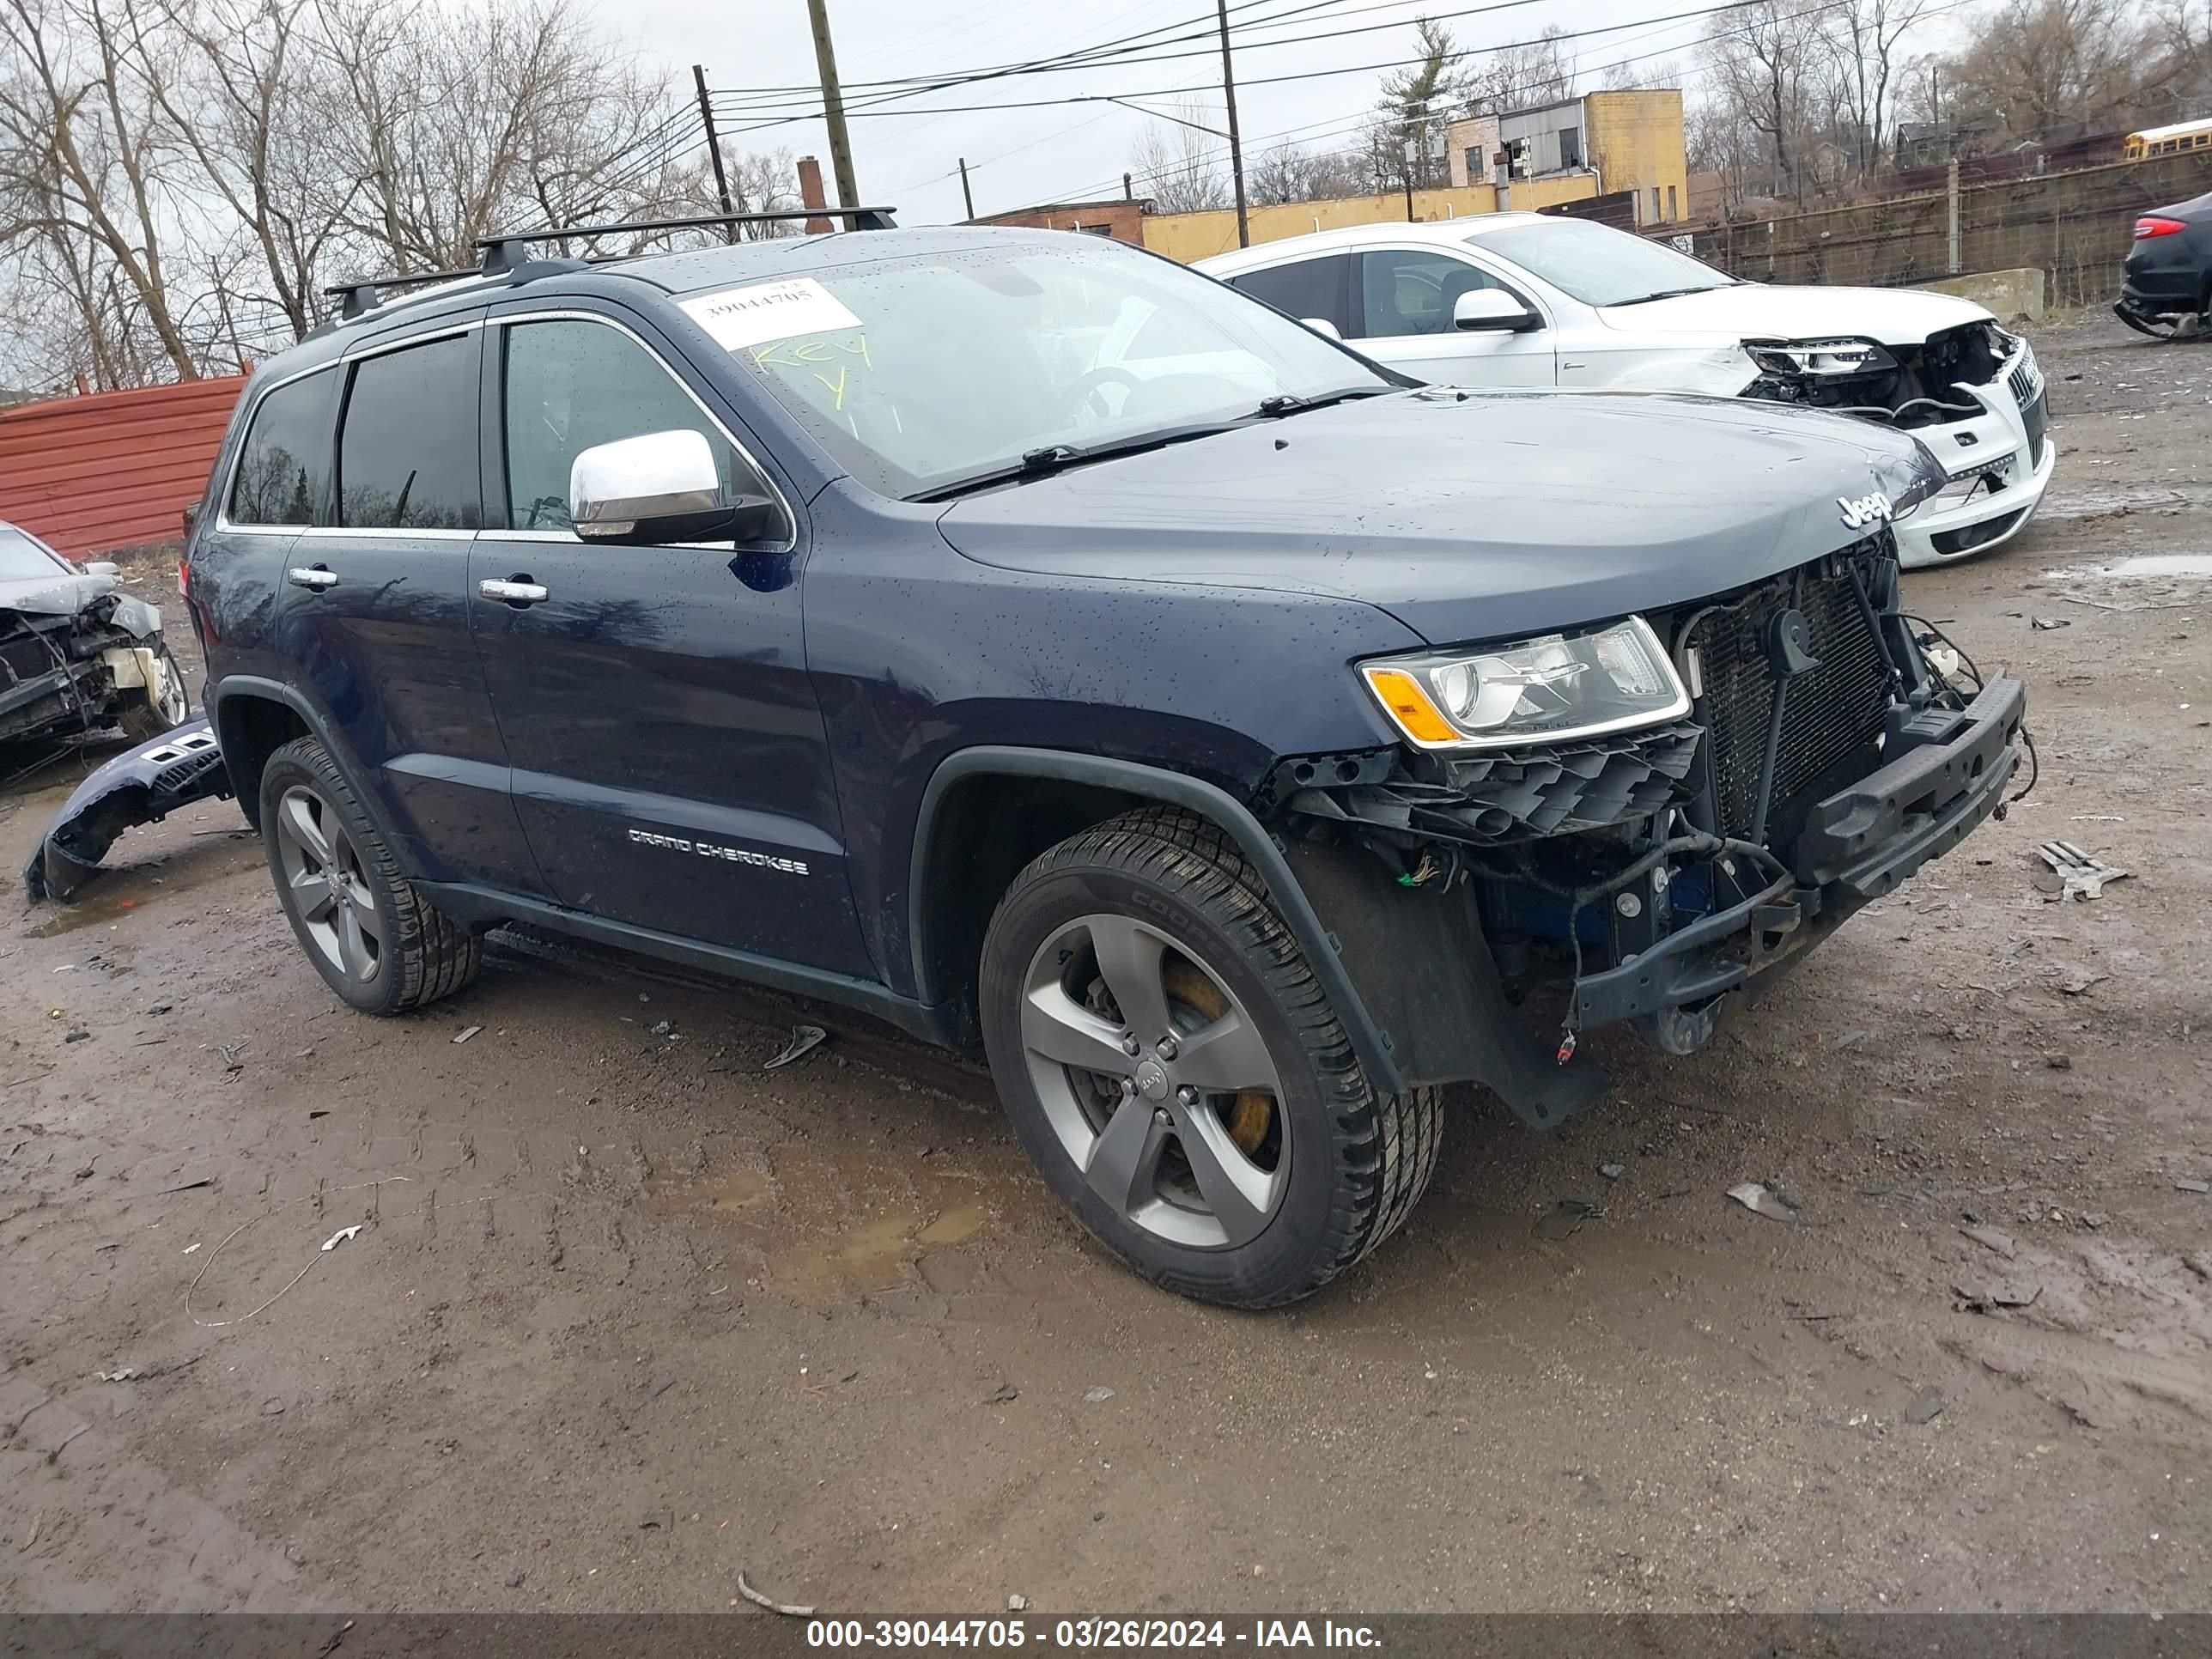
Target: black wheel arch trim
(253, 687)
(1369, 1041)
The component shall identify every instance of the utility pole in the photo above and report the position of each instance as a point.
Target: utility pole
(714, 148)
(1236, 148)
(966, 194)
(833, 105)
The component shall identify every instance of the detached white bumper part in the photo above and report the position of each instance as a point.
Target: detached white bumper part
(2000, 462)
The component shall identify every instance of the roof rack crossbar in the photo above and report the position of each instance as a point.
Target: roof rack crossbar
(365, 294)
(504, 250)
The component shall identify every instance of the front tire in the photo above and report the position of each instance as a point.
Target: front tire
(1178, 1074)
(375, 940)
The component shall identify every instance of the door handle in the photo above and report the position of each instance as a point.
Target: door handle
(314, 576)
(515, 590)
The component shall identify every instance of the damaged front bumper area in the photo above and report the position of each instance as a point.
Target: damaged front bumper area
(1856, 845)
(1977, 397)
(141, 786)
(1655, 877)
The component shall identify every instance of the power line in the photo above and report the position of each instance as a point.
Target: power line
(1353, 123)
(1351, 69)
(760, 101)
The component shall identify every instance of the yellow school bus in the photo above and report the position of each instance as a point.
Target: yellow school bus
(2168, 141)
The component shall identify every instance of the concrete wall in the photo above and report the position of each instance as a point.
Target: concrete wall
(2077, 227)
(1188, 236)
(1635, 140)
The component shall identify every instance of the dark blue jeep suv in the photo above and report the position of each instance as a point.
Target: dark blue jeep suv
(1060, 655)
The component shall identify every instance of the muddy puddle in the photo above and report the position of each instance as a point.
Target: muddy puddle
(118, 893)
(830, 1222)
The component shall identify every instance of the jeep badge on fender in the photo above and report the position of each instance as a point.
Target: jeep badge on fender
(1868, 509)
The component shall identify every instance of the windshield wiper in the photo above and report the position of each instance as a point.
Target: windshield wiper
(1290, 402)
(1042, 463)
(1674, 293)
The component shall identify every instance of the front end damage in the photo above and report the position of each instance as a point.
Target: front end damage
(1974, 395)
(78, 657)
(143, 786)
(1652, 877)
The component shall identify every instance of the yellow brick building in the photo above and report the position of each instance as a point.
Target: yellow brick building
(1188, 236)
(1618, 141)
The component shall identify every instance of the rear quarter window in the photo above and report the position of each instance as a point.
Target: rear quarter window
(284, 465)
(407, 454)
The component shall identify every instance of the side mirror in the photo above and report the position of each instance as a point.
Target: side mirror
(103, 568)
(1322, 326)
(1493, 308)
(661, 487)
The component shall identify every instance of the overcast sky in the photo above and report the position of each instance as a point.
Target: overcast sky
(1074, 150)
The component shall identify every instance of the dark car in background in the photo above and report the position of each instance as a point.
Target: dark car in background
(1066, 657)
(2166, 281)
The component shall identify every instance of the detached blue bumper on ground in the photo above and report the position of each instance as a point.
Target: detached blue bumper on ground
(143, 785)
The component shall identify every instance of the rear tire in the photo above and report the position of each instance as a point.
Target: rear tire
(375, 940)
(1245, 1160)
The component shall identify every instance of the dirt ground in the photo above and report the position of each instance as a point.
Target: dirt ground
(626, 1315)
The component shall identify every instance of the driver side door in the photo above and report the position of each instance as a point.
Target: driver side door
(670, 765)
(1402, 316)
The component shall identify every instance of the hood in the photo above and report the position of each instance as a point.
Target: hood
(1466, 515)
(64, 593)
(1754, 311)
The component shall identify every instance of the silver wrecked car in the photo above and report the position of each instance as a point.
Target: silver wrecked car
(77, 654)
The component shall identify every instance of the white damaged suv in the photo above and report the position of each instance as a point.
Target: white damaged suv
(1526, 300)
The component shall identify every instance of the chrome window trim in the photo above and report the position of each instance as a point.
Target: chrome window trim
(222, 519)
(523, 319)
(358, 352)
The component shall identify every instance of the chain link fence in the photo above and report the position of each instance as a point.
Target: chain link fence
(2074, 227)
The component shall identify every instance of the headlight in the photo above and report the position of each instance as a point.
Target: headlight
(1539, 690)
(1819, 359)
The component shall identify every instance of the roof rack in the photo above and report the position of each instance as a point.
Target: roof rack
(504, 252)
(366, 295)
(507, 252)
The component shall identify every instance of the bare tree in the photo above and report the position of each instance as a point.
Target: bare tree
(85, 154)
(1763, 67)
(1540, 72)
(2044, 65)
(1867, 37)
(1179, 165)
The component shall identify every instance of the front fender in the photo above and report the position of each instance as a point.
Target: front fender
(1262, 850)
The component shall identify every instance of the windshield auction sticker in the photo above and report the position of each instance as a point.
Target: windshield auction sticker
(741, 317)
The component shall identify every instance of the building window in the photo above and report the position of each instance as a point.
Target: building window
(1674, 212)
(1477, 172)
(1570, 147)
(1654, 201)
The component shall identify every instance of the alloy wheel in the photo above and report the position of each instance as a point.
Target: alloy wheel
(1157, 1081)
(326, 885)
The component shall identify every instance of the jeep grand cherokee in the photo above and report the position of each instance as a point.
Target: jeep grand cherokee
(1064, 656)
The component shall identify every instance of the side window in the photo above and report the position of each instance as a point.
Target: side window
(407, 452)
(1311, 288)
(569, 386)
(284, 465)
(1403, 291)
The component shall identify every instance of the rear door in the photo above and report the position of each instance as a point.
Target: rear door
(376, 609)
(1402, 316)
(1311, 291)
(670, 763)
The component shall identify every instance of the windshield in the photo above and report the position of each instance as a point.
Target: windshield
(24, 556)
(1598, 264)
(925, 371)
